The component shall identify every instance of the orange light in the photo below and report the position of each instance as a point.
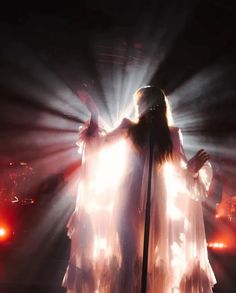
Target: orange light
(4, 233)
(217, 245)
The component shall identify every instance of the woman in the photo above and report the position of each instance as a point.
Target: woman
(107, 227)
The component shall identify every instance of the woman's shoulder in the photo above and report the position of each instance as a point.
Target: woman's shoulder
(174, 130)
(176, 135)
(125, 124)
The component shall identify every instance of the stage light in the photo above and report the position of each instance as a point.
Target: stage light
(4, 233)
(217, 245)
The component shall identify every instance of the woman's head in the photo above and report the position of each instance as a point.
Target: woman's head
(152, 109)
(150, 99)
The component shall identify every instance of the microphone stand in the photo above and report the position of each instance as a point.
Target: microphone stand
(147, 216)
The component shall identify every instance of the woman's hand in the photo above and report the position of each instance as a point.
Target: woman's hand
(197, 161)
(92, 129)
(88, 101)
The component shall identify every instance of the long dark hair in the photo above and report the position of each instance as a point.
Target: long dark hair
(152, 109)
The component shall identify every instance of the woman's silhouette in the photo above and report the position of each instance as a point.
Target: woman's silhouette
(107, 227)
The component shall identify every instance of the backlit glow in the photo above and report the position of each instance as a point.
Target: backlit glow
(111, 163)
(175, 187)
(4, 233)
(101, 248)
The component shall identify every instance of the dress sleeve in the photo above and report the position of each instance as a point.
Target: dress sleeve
(94, 147)
(91, 134)
(199, 183)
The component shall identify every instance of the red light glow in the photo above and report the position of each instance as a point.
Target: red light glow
(217, 245)
(4, 234)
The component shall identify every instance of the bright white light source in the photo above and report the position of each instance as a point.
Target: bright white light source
(2, 232)
(100, 247)
(175, 187)
(111, 163)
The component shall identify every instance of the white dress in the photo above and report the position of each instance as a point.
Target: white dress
(106, 228)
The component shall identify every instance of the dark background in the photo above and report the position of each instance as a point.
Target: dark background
(192, 37)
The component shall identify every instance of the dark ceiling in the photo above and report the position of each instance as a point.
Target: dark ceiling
(59, 34)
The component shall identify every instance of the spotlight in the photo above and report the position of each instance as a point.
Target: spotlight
(4, 234)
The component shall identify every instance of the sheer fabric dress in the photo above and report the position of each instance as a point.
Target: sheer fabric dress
(107, 226)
